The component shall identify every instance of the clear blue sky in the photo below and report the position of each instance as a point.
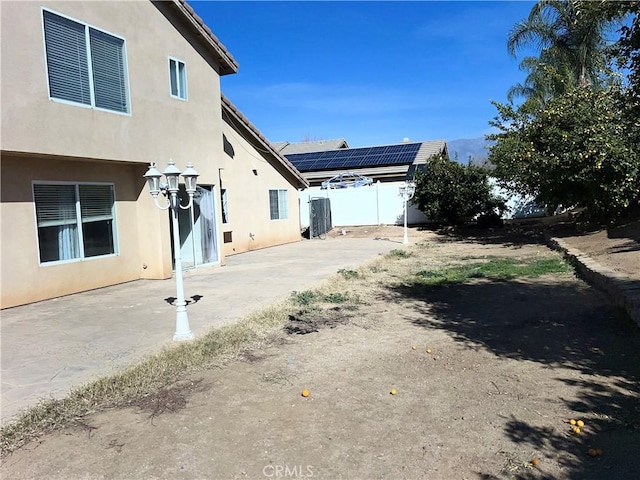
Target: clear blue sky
(371, 72)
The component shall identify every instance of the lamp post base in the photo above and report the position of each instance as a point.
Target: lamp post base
(183, 332)
(405, 240)
(177, 337)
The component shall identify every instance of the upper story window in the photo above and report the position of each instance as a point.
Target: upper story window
(85, 65)
(278, 204)
(178, 78)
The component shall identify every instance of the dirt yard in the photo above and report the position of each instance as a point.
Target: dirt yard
(618, 248)
(498, 370)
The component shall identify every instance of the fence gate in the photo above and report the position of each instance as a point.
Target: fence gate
(319, 217)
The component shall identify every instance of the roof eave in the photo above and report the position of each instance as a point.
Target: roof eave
(228, 64)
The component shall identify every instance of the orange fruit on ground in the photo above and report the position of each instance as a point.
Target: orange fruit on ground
(576, 430)
(393, 391)
(580, 423)
(306, 393)
(535, 462)
(414, 347)
(572, 421)
(428, 350)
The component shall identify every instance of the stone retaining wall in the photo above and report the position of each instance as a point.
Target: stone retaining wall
(620, 288)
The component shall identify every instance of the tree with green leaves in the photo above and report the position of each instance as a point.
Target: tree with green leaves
(451, 193)
(579, 150)
(627, 50)
(545, 78)
(572, 38)
(575, 140)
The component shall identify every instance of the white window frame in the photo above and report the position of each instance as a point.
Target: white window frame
(283, 205)
(87, 27)
(81, 257)
(179, 80)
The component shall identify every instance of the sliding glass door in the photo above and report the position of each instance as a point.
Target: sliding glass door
(198, 228)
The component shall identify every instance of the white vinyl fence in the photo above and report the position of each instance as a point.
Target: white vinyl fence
(381, 204)
(377, 204)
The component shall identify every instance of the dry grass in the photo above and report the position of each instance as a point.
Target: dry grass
(153, 374)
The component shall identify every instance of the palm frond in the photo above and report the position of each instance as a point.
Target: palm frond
(571, 38)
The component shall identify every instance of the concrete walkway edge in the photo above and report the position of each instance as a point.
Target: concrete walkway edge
(622, 290)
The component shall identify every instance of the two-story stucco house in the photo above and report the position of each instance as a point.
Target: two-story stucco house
(92, 92)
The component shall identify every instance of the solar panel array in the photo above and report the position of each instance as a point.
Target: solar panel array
(348, 158)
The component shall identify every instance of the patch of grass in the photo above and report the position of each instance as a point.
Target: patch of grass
(348, 274)
(310, 297)
(378, 269)
(336, 298)
(305, 298)
(495, 269)
(398, 253)
(426, 244)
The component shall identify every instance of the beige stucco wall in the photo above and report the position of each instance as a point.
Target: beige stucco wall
(248, 199)
(25, 280)
(159, 126)
(44, 139)
(47, 140)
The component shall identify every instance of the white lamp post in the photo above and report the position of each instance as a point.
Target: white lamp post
(407, 189)
(172, 173)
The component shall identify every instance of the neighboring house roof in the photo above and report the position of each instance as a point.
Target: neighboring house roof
(236, 119)
(226, 61)
(306, 147)
(379, 161)
(279, 145)
(430, 148)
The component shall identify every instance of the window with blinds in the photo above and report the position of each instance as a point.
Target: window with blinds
(278, 204)
(85, 65)
(74, 221)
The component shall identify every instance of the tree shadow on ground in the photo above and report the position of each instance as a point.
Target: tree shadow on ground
(559, 324)
(515, 236)
(532, 231)
(630, 230)
(628, 233)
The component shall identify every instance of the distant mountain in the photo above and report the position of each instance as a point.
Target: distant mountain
(465, 148)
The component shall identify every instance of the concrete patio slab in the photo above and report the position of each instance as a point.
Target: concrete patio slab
(52, 346)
